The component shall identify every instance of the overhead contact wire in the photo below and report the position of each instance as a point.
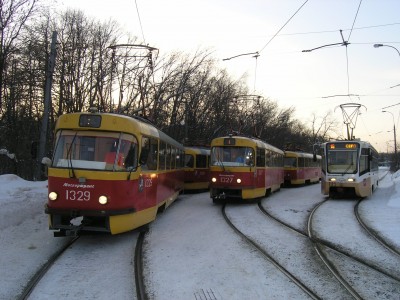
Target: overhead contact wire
(283, 26)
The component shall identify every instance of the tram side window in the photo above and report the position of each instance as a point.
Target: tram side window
(180, 160)
(131, 157)
(260, 159)
(281, 158)
(301, 162)
(162, 159)
(189, 161)
(201, 161)
(364, 162)
(374, 161)
(323, 164)
(173, 157)
(149, 153)
(168, 157)
(127, 156)
(274, 159)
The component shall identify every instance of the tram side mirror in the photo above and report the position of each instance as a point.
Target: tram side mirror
(46, 161)
(249, 162)
(314, 158)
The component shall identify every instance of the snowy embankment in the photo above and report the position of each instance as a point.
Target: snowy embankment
(189, 250)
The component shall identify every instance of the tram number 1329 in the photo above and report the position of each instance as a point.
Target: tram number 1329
(77, 195)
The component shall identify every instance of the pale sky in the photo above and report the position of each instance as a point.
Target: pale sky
(304, 80)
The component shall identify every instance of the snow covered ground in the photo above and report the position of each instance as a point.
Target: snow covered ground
(191, 253)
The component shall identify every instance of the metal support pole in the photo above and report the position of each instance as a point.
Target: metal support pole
(47, 101)
(395, 142)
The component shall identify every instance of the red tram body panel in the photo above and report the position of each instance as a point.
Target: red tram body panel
(244, 168)
(197, 163)
(88, 191)
(301, 168)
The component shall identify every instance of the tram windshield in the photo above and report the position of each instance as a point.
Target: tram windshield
(342, 161)
(232, 156)
(95, 150)
(290, 162)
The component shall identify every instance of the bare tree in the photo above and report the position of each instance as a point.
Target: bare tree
(13, 16)
(322, 128)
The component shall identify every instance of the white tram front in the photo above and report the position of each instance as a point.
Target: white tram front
(349, 168)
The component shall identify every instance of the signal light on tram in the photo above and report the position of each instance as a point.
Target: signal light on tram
(53, 196)
(103, 200)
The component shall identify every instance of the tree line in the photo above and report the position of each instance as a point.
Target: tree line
(188, 96)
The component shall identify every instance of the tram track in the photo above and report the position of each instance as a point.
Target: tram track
(139, 277)
(288, 274)
(342, 263)
(372, 232)
(43, 269)
(329, 244)
(325, 259)
(36, 280)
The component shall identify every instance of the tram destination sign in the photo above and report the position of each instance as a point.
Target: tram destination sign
(229, 141)
(348, 146)
(93, 121)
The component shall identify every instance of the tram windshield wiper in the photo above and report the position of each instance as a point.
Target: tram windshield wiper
(348, 168)
(69, 157)
(221, 164)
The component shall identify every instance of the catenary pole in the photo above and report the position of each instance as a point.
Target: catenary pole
(47, 101)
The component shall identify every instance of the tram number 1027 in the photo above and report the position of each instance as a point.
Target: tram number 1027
(77, 195)
(226, 179)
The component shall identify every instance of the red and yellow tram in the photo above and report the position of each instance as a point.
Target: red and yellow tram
(301, 168)
(196, 168)
(245, 168)
(110, 173)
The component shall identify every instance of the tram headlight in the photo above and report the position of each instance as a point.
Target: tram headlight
(239, 180)
(214, 179)
(53, 196)
(332, 179)
(351, 179)
(103, 200)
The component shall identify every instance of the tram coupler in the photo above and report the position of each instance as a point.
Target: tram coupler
(221, 196)
(65, 232)
(72, 231)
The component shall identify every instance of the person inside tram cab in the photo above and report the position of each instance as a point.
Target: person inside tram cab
(110, 156)
(237, 155)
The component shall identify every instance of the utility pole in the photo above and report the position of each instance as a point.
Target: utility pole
(395, 142)
(47, 101)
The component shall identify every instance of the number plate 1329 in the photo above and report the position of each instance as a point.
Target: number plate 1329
(77, 195)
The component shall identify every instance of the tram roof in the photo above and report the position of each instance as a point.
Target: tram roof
(197, 150)
(299, 154)
(243, 141)
(114, 122)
